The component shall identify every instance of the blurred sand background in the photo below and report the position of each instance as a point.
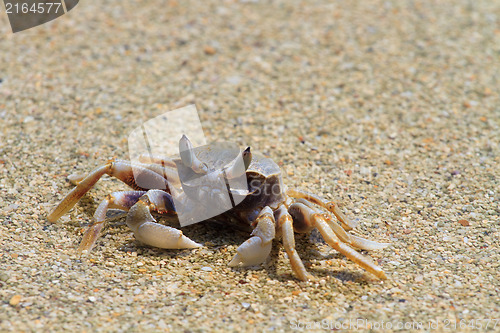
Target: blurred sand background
(391, 107)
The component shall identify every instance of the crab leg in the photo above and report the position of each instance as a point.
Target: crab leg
(301, 211)
(332, 240)
(121, 200)
(256, 249)
(353, 240)
(331, 206)
(76, 193)
(344, 236)
(162, 166)
(366, 244)
(148, 231)
(339, 231)
(285, 224)
(165, 171)
(157, 159)
(130, 174)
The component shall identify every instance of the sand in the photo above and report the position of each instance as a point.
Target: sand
(391, 108)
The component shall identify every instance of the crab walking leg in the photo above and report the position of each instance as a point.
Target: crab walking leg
(256, 249)
(301, 211)
(76, 193)
(148, 231)
(331, 206)
(285, 224)
(354, 241)
(332, 240)
(120, 200)
(157, 159)
(339, 231)
(76, 178)
(366, 244)
(166, 171)
(142, 178)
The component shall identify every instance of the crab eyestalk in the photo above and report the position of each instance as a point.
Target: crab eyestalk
(188, 157)
(239, 165)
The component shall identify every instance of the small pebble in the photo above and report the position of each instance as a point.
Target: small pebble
(209, 50)
(14, 300)
(12, 207)
(4, 277)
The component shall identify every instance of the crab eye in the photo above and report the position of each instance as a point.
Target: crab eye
(188, 158)
(239, 165)
(186, 151)
(247, 157)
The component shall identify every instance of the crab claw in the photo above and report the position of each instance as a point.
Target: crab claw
(239, 165)
(251, 252)
(255, 250)
(148, 231)
(188, 157)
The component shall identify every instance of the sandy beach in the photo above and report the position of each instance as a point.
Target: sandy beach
(390, 108)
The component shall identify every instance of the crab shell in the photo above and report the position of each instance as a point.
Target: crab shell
(263, 185)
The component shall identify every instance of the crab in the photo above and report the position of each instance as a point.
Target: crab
(266, 206)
